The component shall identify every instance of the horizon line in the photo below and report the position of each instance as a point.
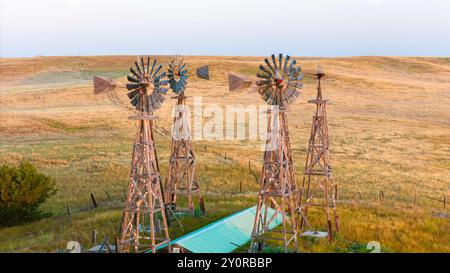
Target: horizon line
(226, 55)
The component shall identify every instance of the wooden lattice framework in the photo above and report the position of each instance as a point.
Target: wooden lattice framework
(318, 188)
(144, 224)
(277, 188)
(182, 178)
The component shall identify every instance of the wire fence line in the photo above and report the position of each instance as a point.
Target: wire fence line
(345, 197)
(381, 196)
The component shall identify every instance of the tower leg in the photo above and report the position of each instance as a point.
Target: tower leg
(336, 216)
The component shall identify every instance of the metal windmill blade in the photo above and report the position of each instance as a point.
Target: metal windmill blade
(279, 81)
(238, 82)
(142, 77)
(203, 72)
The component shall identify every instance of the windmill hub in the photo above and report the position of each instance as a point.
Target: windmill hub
(278, 77)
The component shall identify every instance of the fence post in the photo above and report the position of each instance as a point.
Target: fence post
(381, 196)
(107, 194)
(202, 205)
(68, 210)
(94, 202)
(94, 236)
(355, 197)
(240, 186)
(445, 202)
(116, 240)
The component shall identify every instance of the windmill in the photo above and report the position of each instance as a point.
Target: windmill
(144, 224)
(182, 177)
(318, 188)
(279, 83)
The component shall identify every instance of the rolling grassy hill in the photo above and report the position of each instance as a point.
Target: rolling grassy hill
(389, 121)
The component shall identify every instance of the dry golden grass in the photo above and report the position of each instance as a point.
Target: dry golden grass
(389, 121)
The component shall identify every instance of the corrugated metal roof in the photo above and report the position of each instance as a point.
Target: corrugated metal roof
(224, 235)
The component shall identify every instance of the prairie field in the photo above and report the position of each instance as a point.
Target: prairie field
(389, 126)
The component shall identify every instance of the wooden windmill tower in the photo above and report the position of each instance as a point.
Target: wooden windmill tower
(278, 85)
(144, 225)
(318, 188)
(182, 176)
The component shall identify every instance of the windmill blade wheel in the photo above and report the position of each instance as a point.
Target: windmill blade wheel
(279, 80)
(146, 91)
(177, 74)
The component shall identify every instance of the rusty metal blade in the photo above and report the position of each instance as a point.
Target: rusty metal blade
(153, 67)
(132, 94)
(265, 70)
(286, 60)
(131, 86)
(280, 59)
(143, 65)
(131, 79)
(138, 68)
(135, 73)
(263, 75)
(157, 70)
(269, 65)
(274, 61)
(136, 99)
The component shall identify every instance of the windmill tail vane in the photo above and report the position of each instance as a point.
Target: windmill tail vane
(237, 82)
(105, 85)
(203, 72)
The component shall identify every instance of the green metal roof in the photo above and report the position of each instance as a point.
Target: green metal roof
(224, 235)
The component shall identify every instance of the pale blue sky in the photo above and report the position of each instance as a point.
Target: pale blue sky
(225, 27)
